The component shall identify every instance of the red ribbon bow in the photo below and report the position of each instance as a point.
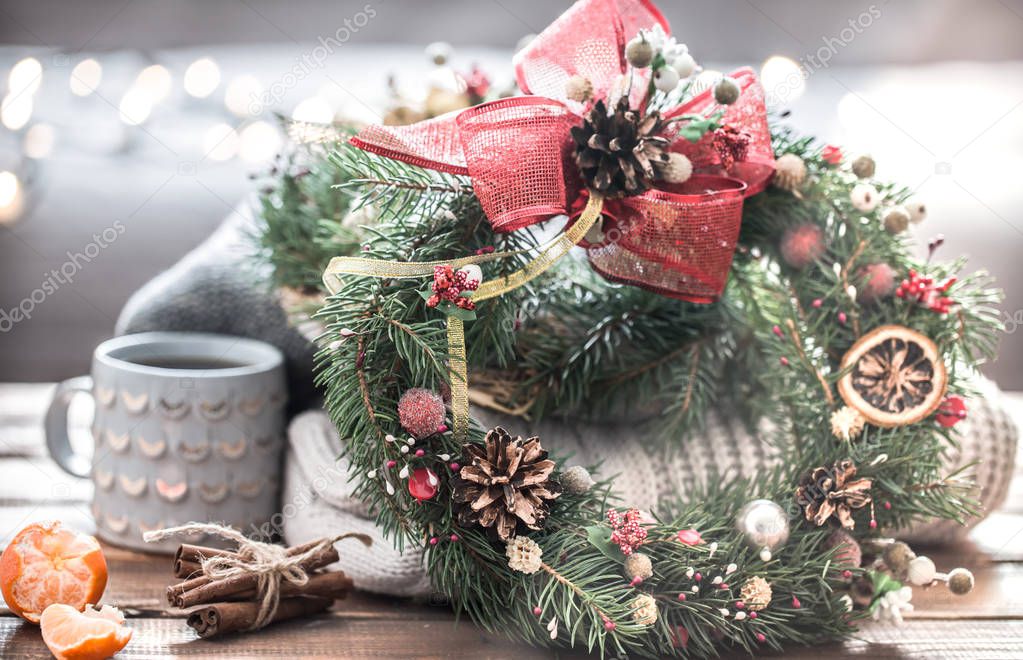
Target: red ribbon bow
(676, 240)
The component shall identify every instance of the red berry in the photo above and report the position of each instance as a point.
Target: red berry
(847, 574)
(740, 605)
(723, 586)
(420, 453)
(873, 524)
(784, 361)
(391, 463)
(681, 596)
(422, 484)
(636, 581)
(454, 538)
(887, 505)
(537, 611)
(761, 637)
(752, 615)
(817, 302)
(952, 410)
(698, 577)
(454, 467)
(795, 603)
(434, 540)
(609, 625)
(776, 330)
(842, 318)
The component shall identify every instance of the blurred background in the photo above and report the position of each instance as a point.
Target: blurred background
(129, 128)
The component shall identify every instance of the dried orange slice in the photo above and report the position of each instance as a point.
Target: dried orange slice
(49, 563)
(89, 635)
(895, 376)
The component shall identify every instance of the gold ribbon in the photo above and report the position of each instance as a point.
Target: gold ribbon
(547, 255)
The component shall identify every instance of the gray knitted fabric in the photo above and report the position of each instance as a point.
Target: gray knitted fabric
(218, 287)
(318, 498)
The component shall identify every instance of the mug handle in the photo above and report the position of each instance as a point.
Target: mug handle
(57, 441)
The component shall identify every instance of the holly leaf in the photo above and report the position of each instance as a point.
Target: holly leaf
(454, 310)
(695, 130)
(449, 308)
(600, 538)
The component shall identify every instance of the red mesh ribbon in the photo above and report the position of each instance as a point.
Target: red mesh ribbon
(748, 114)
(519, 154)
(677, 241)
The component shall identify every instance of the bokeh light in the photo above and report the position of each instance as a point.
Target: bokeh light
(783, 79)
(220, 142)
(16, 110)
(25, 77)
(259, 142)
(135, 106)
(202, 77)
(85, 77)
(39, 141)
(242, 96)
(314, 110)
(155, 82)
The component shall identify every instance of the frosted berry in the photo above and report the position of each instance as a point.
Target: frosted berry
(421, 412)
(877, 281)
(802, 245)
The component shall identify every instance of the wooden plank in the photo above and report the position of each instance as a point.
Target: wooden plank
(326, 636)
(338, 635)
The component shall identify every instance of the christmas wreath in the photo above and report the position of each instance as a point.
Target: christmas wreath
(724, 261)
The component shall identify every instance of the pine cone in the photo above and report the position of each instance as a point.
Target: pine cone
(824, 493)
(619, 153)
(505, 484)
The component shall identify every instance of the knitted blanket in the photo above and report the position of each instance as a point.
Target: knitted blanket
(318, 500)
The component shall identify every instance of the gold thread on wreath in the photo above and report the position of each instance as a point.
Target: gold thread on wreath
(548, 254)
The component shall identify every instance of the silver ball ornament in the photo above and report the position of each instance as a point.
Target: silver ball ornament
(764, 525)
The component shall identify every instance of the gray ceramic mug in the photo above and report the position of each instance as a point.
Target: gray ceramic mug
(188, 427)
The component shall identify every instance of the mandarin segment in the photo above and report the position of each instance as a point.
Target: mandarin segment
(49, 563)
(89, 635)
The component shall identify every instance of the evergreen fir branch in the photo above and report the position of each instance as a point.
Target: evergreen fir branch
(397, 191)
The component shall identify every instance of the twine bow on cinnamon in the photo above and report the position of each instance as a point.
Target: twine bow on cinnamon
(271, 564)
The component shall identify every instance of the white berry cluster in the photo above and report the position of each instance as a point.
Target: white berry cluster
(671, 60)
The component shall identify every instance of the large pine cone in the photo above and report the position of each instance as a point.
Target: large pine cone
(618, 152)
(504, 484)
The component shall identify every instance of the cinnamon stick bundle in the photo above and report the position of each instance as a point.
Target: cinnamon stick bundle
(334, 585)
(204, 589)
(232, 604)
(223, 618)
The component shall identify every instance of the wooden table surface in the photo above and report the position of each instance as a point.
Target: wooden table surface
(988, 623)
